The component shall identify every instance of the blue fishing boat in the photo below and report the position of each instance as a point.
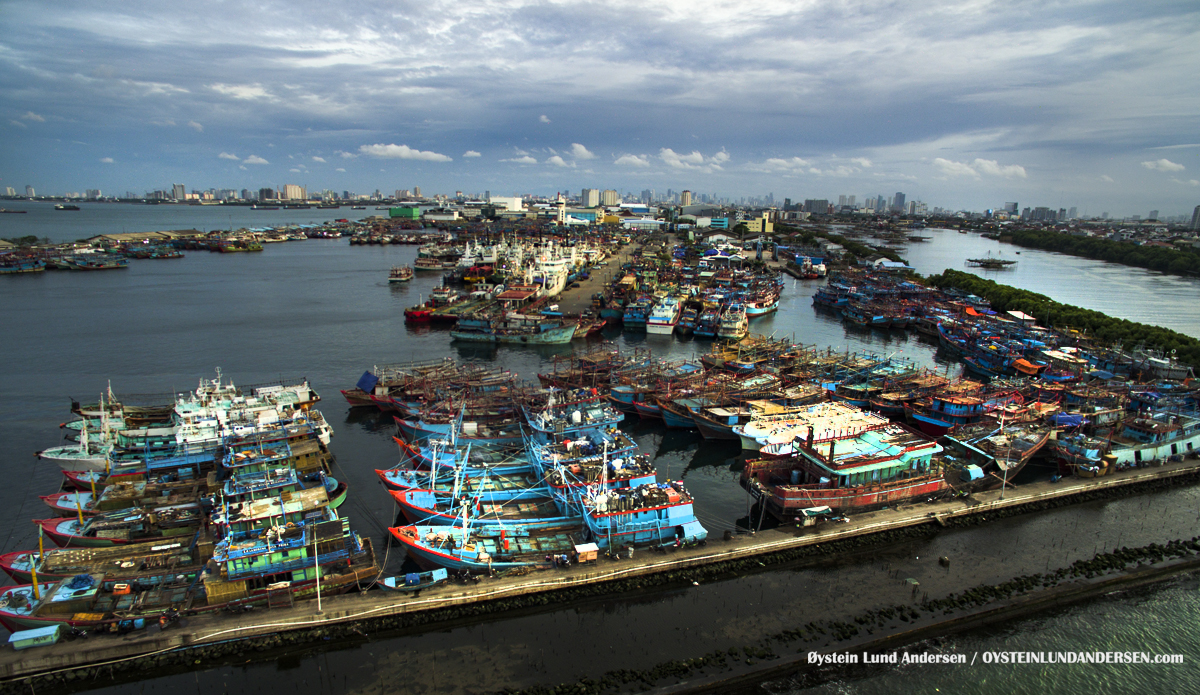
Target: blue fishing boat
(648, 515)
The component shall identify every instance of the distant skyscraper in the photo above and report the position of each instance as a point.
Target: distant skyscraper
(93, 193)
(29, 192)
(1073, 214)
(293, 192)
(609, 198)
(647, 196)
(1153, 215)
(416, 191)
(685, 198)
(1011, 208)
(178, 191)
(818, 206)
(898, 202)
(9, 191)
(487, 195)
(1196, 218)
(590, 197)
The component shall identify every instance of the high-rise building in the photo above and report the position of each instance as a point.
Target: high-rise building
(1073, 214)
(93, 194)
(293, 192)
(609, 198)
(8, 191)
(818, 206)
(416, 191)
(1011, 208)
(685, 198)
(1153, 215)
(898, 202)
(841, 201)
(178, 191)
(648, 196)
(589, 198)
(1196, 218)
(29, 192)
(267, 194)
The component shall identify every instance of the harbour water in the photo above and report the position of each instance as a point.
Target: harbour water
(324, 310)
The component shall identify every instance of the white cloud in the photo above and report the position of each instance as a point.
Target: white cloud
(31, 116)
(524, 159)
(544, 118)
(1106, 178)
(403, 152)
(319, 159)
(950, 168)
(1164, 165)
(994, 168)
(633, 160)
(241, 91)
(580, 152)
(255, 159)
(340, 169)
(343, 155)
(1189, 182)
(470, 153)
(106, 160)
(794, 164)
(862, 162)
(693, 160)
(294, 171)
(226, 155)
(18, 123)
(243, 167)
(195, 126)
(980, 166)
(559, 162)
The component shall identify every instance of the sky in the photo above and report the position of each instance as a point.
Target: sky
(964, 105)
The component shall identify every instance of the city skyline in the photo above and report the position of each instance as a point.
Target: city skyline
(1086, 106)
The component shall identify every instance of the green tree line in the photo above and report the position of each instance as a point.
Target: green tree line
(1162, 259)
(1098, 326)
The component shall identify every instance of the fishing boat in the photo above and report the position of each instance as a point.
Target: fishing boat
(734, 325)
(650, 515)
(868, 470)
(708, 323)
(400, 273)
(486, 548)
(664, 317)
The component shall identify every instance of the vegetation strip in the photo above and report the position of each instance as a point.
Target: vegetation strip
(1096, 325)
(1176, 261)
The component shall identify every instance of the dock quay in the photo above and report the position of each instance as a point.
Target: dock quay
(222, 636)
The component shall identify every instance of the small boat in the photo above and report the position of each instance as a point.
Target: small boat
(66, 206)
(400, 273)
(414, 581)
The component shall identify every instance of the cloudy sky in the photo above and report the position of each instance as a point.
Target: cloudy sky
(965, 104)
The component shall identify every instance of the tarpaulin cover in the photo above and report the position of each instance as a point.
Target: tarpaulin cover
(1068, 420)
(367, 382)
(972, 312)
(1101, 374)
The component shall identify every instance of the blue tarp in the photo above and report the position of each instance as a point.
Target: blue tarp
(1101, 374)
(1068, 420)
(367, 382)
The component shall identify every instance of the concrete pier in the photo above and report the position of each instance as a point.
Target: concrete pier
(345, 610)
